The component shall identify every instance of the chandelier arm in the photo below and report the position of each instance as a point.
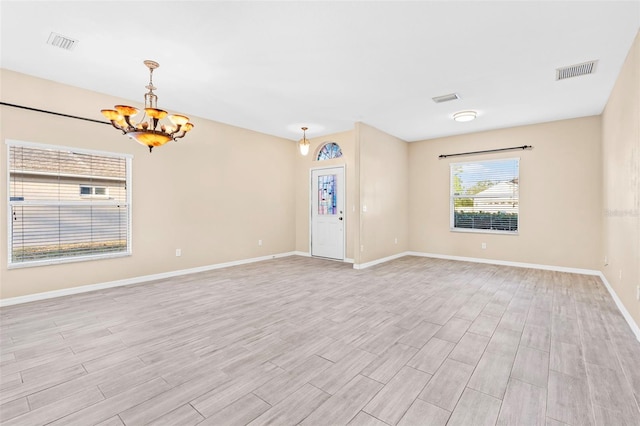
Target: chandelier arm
(127, 118)
(177, 130)
(182, 135)
(114, 124)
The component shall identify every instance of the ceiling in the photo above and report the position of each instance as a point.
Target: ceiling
(274, 67)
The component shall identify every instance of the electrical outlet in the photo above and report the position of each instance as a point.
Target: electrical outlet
(396, 240)
(259, 242)
(606, 261)
(178, 252)
(484, 246)
(364, 208)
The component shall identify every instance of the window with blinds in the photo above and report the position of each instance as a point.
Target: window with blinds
(485, 196)
(67, 204)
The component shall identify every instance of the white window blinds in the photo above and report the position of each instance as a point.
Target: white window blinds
(53, 217)
(485, 195)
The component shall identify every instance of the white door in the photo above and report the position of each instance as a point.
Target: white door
(327, 213)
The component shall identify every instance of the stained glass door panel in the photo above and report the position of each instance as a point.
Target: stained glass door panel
(327, 213)
(327, 195)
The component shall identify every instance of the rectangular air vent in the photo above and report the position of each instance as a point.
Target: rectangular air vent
(63, 42)
(576, 70)
(446, 98)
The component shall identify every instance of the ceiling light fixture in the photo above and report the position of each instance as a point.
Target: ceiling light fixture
(146, 132)
(304, 142)
(463, 116)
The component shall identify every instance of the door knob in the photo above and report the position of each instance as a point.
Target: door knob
(340, 218)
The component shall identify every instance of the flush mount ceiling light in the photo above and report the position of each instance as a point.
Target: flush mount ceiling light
(146, 132)
(463, 116)
(303, 144)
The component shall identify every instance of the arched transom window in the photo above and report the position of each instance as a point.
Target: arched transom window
(328, 151)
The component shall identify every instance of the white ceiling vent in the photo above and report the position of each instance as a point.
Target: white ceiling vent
(576, 70)
(446, 98)
(63, 42)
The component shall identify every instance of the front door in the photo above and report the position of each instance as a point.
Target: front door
(327, 213)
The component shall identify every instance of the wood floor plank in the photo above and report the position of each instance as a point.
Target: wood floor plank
(390, 404)
(568, 399)
(364, 419)
(484, 325)
(238, 413)
(49, 413)
(492, 374)
(389, 363)
(293, 409)
(340, 373)
(109, 407)
(420, 335)
(342, 407)
(453, 330)
(610, 389)
(220, 395)
(446, 386)
(422, 412)
(432, 355)
(531, 366)
(183, 416)
(470, 348)
(287, 383)
(523, 404)
(567, 358)
(504, 342)
(536, 337)
(14, 408)
(113, 421)
(475, 408)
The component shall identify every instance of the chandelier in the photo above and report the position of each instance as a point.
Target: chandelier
(304, 142)
(146, 130)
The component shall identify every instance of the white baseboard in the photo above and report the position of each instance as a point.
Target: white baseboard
(623, 310)
(379, 261)
(307, 254)
(135, 280)
(507, 263)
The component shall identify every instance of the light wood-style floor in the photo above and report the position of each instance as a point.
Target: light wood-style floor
(306, 341)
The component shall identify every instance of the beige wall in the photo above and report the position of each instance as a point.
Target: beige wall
(621, 181)
(213, 194)
(384, 191)
(560, 186)
(304, 165)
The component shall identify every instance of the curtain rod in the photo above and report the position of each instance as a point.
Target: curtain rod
(55, 113)
(486, 150)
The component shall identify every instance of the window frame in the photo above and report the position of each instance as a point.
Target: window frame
(452, 198)
(102, 199)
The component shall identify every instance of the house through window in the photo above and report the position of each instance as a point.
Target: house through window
(67, 204)
(485, 195)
